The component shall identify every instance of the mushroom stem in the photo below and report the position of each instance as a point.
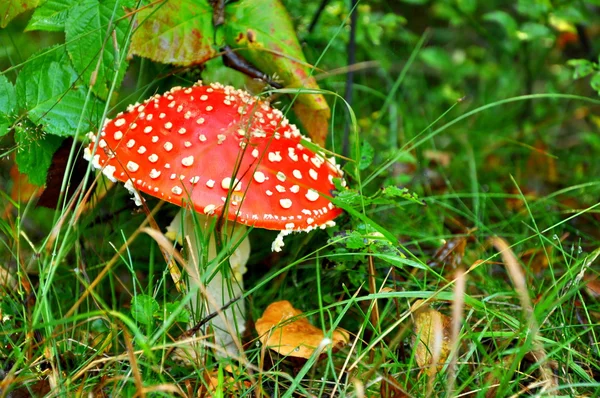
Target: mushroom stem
(222, 280)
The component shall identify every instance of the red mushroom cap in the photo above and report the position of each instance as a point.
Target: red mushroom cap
(204, 144)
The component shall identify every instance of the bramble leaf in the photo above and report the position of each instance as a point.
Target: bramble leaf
(51, 15)
(175, 32)
(46, 90)
(8, 104)
(367, 153)
(34, 151)
(263, 33)
(9, 9)
(89, 32)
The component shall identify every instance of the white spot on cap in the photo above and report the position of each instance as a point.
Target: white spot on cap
(285, 203)
(130, 143)
(209, 108)
(274, 156)
(295, 189)
(119, 122)
(202, 137)
(187, 144)
(290, 225)
(188, 161)
(259, 177)
(195, 179)
(177, 190)
(209, 209)
(132, 166)
(255, 152)
(168, 125)
(118, 135)
(297, 174)
(168, 146)
(154, 174)
(313, 174)
(182, 130)
(310, 220)
(280, 188)
(162, 116)
(155, 139)
(269, 193)
(141, 150)
(280, 176)
(221, 138)
(226, 183)
(210, 183)
(203, 97)
(200, 120)
(312, 195)
(147, 129)
(149, 117)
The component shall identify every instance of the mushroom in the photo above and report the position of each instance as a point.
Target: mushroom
(221, 152)
(283, 330)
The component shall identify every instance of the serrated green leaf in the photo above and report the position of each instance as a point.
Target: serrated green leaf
(11, 8)
(51, 15)
(8, 104)
(34, 151)
(392, 192)
(90, 29)
(355, 240)
(143, 308)
(367, 153)
(263, 33)
(46, 90)
(175, 32)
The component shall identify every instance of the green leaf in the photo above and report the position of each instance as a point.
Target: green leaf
(34, 151)
(595, 82)
(143, 308)
(582, 67)
(393, 192)
(51, 15)
(89, 34)
(8, 104)
(169, 309)
(437, 58)
(175, 32)
(46, 90)
(367, 153)
(505, 20)
(263, 33)
(11, 8)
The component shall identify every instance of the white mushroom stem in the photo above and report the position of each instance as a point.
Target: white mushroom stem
(225, 285)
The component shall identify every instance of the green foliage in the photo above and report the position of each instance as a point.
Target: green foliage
(49, 93)
(34, 151)
(175, 32)
(51, 15)
(8, 104)
(95, 52)
(145, 310)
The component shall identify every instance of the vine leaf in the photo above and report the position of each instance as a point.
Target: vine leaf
(34, 151)
(9, 9)
(8, 104)
(89, 33)
(175, 32)
(263, 33)
(51, 15)
(46, 90)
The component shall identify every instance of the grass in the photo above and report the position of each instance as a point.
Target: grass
(502, 259)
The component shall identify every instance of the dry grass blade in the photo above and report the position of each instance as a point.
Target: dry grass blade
(517, 276)
(458, 307)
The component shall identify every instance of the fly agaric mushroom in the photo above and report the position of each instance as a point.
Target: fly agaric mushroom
(219, 151)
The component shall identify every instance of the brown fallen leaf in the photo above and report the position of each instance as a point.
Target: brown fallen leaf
(283, 329)
(431, 340)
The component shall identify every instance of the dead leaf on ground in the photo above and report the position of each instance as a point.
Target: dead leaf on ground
(431, 340)
(450, 254)
(230, 385)
(440, 157)
(283, 329)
